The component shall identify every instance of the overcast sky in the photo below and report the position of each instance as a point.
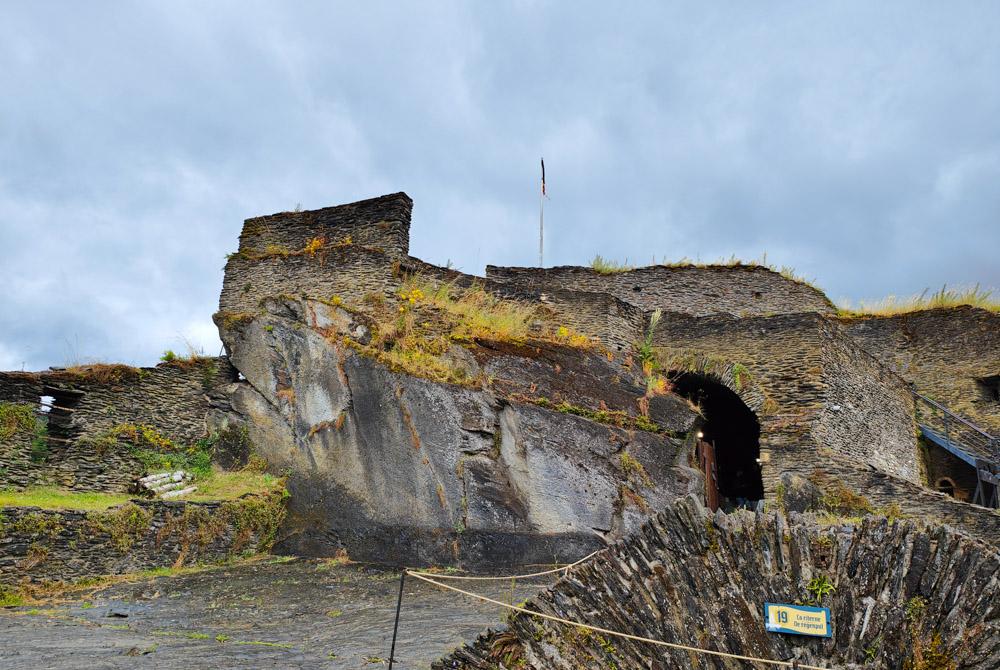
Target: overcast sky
(860, 145)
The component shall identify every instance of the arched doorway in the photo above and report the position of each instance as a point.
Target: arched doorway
(732, 434)
(947, 486)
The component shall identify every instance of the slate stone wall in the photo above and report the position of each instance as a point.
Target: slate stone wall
(886, 492)
(60, 545)
(74, 466)
(813, 389)
(350, 273)
(702, 580)
(382, 223)
(742, 290)
(173, 398)
(943, 352)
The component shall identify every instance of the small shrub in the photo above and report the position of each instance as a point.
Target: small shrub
(124, 524)
(631, 467)
(819, 588)
(15, 419)
(168, 356)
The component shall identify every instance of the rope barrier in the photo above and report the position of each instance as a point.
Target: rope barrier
(605, 631)
(473, 578)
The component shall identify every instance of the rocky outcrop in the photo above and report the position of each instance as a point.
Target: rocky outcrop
(396, 468)
(900, 593)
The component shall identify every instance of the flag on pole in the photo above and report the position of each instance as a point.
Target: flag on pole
(543, 177)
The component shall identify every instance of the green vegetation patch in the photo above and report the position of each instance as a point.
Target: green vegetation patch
(617, 418)
(155, 451)
(15, 419)
(125, 525)
(50, 497)
(607, 266)
(33, 524)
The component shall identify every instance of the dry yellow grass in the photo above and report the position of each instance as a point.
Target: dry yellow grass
(973, 296)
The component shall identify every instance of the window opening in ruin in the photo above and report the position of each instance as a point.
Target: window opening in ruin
(733, 430)
(990, 387)
(945, 485)
(61, 404)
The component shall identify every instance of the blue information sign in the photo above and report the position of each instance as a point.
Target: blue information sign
(797, 620)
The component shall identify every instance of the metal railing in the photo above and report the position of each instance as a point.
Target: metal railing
(956, 430)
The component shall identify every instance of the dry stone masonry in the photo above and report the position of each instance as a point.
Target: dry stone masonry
(897, 592)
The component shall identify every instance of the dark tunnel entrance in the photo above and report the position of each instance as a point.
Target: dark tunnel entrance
(731, 438)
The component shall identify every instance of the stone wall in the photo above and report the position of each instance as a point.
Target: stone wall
(877, 491)
(174, 398)
(381, 223)
(741, 290)
(701, 581)
(61, 545)
(350, 273)
(358, 244)
(812, 388)
(75, 465)
(943, 352)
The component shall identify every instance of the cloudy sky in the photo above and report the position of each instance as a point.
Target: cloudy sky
(860, 145)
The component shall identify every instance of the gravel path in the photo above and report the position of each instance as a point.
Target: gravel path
(273, 614)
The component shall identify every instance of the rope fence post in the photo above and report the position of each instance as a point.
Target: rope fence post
(395, 627)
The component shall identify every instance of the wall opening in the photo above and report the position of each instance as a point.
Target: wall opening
(734, 433)
(989, 387)
(946, 486)
(946, 473)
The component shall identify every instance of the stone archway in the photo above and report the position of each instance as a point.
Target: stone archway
(731, 437)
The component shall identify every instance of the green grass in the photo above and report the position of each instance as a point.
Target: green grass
(973, 296)
(50, 497)
(606, 266)
(219, 485)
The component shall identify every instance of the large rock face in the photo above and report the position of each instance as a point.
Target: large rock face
(395, 468)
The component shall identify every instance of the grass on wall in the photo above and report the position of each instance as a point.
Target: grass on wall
(16, 418)
(219, 485)
(50, 497)
(415, 332)
(607, 266)
(973, 296)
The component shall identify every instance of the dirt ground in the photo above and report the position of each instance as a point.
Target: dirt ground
(271, 614)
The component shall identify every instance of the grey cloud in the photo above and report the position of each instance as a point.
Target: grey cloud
(858, 144)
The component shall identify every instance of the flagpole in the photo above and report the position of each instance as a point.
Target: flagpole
(541, 228)
(541, 220)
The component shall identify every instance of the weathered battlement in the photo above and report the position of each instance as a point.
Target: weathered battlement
(382, 223)
(741, 290)
(347, 251)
